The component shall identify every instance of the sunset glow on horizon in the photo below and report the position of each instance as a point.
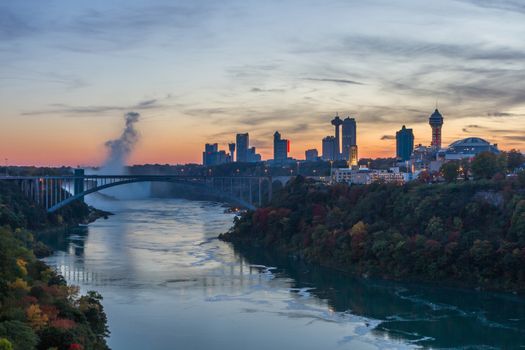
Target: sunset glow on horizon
(201, 71)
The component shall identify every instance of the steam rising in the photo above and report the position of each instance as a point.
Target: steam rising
(118, 152)
(120, 149)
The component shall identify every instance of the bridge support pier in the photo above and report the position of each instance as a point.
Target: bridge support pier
(79, 182)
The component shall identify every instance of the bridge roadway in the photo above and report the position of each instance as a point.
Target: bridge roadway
(54, 192)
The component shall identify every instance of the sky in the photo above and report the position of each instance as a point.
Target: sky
(202, 71)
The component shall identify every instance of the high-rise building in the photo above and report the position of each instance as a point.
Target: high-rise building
(212, 155)
(231, 147)
(329, 148)
(210, 149)
(353, 160)
(281, 147)
(436, 122)
(311, 155)
(252, 156)
(349, 137)
(336, 122)
(243, 142)
(404, 144)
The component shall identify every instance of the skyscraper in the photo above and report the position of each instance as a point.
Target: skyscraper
(353, 161)
(404, 144)
(212, 155)
(210, 149)
(281, 147)
(337, 147)
(436, 122)
(311, 155)
(231, 147)
(329, 148)
(349, 137)
(243, 142)
(252, 156)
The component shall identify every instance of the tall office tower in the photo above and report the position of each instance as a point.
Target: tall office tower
(349, 137)
(243, 142)
(281, 147)
(404, 144)
(329, 148)
(436, 122)
(337, 123)
(210, 151)
(311, 155)
(231, 147)
(212, 155)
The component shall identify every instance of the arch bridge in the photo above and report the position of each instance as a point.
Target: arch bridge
(55, 192)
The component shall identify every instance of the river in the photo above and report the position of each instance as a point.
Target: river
(168, 283)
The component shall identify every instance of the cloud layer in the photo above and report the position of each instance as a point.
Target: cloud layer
(240, 66)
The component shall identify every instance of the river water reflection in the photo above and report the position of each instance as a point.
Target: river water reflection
(168, 283)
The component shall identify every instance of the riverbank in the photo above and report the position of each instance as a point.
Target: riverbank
(38, 310)
(467, 234)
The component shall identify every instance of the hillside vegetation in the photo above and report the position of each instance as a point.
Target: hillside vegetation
(38, 310)
(469, 233)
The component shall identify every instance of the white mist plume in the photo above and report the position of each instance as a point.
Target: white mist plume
(120, 149)
(115, 164)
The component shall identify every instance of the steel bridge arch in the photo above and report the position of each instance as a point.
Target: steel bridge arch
(200, 185)
(55, 192)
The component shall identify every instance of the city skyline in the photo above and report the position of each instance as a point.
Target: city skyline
(199, 71)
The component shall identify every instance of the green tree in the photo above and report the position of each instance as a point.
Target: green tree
(450, 171)
(517, 228)
(481, 252)
(435, 229)
(91, 306)
(521, 178)
(514, 159)
(486, 164)
(20, 335)
(5, 344)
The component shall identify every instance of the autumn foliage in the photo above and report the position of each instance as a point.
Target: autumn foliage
(466, 233)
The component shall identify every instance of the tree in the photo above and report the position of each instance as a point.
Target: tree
(465, 168)
(481, 251)
(486, 164)
(517, 228)
(358, 233)
(91, 306)
(424, 177)
(450, 171)
(20, 335)
(36, 317)
(521, 178)
(514, 159)
(435, 229)
(5, 344)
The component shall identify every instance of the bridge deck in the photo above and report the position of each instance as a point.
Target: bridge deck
(55, 191)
